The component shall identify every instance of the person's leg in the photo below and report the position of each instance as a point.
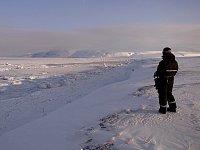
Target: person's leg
(163, 96)
(170, 97)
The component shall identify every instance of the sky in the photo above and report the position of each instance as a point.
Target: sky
(29, 26)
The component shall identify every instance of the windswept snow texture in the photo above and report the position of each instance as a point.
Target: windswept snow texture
(96, 104)
(41, 86)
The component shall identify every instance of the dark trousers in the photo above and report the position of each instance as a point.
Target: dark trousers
(165, 91)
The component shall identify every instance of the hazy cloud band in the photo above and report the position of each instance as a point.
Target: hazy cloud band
(181, 37)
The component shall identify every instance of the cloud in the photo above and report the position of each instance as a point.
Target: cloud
(15, 41)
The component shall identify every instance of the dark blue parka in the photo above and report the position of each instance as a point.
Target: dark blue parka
(166, 71)
(168, 67)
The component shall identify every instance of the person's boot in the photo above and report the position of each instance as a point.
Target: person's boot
(162, 110)
(172, 107)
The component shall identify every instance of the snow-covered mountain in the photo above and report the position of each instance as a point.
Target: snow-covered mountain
(87, 54)
(79, 54)
(119, 54)
(51, 54)
(95, 54)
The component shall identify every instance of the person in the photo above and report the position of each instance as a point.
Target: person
(164, 74)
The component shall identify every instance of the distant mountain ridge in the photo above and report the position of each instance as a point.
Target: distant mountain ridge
(79, 54)
(51, 54)
(95, 54)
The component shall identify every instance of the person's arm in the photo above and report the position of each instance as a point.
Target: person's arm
(159, 70)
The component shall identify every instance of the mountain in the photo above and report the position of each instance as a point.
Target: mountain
(87, 54)
(80, 54)
(95, 54)
(51, 54)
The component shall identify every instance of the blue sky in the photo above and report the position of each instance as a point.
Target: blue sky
(86, 20)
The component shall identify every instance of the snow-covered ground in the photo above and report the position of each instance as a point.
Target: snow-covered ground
(31, 88)
(95, 104)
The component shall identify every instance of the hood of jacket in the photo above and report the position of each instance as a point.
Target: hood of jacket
(168, 57)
